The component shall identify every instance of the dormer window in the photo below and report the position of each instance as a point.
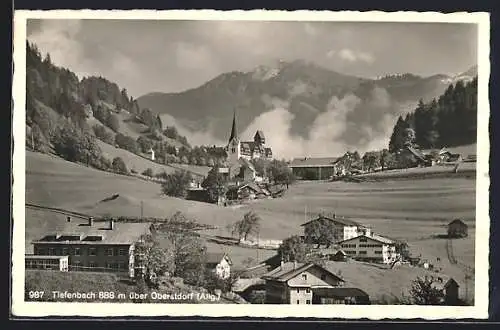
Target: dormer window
(304, 277)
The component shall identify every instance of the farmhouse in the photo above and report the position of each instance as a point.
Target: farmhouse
(293, 283)
(313, 168)
(343, 228)
(220, 263)
(94, 246)
(237, 149)
(249, 190)
(32, 261)
(371, 248)
(457, 229)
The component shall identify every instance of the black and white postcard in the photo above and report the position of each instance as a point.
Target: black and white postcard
(330, 164)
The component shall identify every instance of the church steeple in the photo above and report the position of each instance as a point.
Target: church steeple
(234, 133)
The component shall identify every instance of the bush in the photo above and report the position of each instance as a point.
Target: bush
(113, 122)
(103, 135)
(148, 172)
(176, 184)
(119, 166)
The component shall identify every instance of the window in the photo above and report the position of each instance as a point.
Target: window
(304, 277)
(298, 302)
(77, 251)
(233, 150)
(298, 290)
(308, 290)
(52, 251)
(65, 251)
(378, 252)
(92, 264)
(323, 277)
(362, 252)
(122, 252)
(109, 252)
(308, 302)
(92, 251)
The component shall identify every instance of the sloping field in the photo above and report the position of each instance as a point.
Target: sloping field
(413, 210)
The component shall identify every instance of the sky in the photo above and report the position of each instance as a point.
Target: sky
(172, 56)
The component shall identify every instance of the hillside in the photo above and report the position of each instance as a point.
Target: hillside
(304, 89)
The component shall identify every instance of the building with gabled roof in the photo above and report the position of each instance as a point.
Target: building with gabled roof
(457, 229)
(293, 282)
(220, 263)
(95, 246)
(370, 248)
(343, 228)
(319, 168)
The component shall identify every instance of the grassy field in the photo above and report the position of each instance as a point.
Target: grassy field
(413, 210)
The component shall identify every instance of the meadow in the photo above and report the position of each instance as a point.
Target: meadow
(413, 210)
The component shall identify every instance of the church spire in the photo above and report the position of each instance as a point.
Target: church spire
(234, 133)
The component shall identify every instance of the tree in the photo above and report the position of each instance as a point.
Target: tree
(119, 165)
(145, 144)
(176, 183)
(321, 232)
(113, 122)
(154, 259)
(280, 173)
(189, 253)
(424, 292)
(409, 136)
(293, 248)
(215, 183)
(397, 138)
(148, 172)
(250, 224)
(103, 135)
(371, 160)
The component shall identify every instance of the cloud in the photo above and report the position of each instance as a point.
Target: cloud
(352, 56)
(324, 138)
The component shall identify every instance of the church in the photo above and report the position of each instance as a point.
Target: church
(239, 154)
(248, 150)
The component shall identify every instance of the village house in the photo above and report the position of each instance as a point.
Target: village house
(457, 229)
(151, 154)
(249, 190)
(313, 168)
(343, 228)
(93, 246)
(370, 247)
(59, 263)
(293, 283)
(220, 263)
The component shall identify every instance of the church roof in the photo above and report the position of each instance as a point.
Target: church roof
(260, 134)
(234, 132)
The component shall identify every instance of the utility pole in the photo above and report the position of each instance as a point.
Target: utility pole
(142, 209)
(32, 140)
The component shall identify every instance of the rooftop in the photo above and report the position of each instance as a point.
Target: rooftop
(291, 269)
(313, 162)
(41, 257)
(97, 233)
(333, 218)
(216, 257)
(374, 237)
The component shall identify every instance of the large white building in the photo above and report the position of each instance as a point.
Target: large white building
(370, 247)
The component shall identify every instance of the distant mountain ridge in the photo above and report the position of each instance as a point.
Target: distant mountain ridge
(305, 90)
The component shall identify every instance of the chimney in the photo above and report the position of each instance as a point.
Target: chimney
(111, 224)
(68, 219)
(334, 215)
(294, 264)
(91, 221)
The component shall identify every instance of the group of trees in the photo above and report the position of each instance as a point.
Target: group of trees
(249, 225)
(277, 171)
(175, 251)
(451, 120)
